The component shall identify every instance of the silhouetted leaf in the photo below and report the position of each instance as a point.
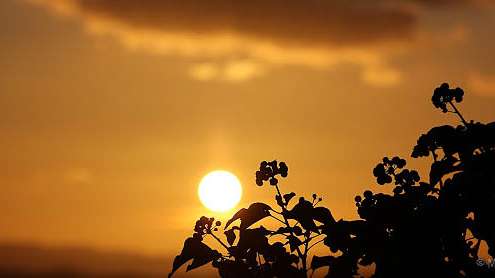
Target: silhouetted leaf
(318, 262)
(254, 213)
(297, 230)
(196, 250)
(303, 213)
(289, 196)
(233, 269)
(323, 215)
(254, 239)
(441, 168)
(230, 235)
(294, 242)
(200, 261)
(282, 230)
(286, 230)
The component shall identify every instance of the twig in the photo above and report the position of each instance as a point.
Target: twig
(277, 219)
(312, 245)
(435, 159)
(299, 253)
(220, 241)
(458, 113)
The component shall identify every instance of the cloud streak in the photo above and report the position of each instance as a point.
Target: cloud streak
(314, 33)
(288, 21)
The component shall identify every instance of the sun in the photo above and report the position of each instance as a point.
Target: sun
(220, 191)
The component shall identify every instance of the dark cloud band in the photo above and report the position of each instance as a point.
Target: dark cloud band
(319, 22)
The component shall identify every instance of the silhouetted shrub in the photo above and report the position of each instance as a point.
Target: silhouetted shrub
(422, 229)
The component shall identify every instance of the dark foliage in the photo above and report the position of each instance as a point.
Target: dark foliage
(422, 229)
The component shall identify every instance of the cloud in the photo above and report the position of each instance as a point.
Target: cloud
(234, 71)
(204, 71)
(315, 33)
(289, 21)
(381, 77)
(481, 83)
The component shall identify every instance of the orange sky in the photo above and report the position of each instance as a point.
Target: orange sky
(112, 111)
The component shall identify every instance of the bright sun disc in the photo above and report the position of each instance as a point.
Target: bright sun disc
(220, 191)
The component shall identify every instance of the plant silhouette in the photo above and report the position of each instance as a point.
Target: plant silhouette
(431, 228)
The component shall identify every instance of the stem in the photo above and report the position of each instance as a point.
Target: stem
(277, 219)
(307, 238)
(435, 159)
(311, 238)
(221, 242)
(280, 194)
(312, 245)
(299, 253)
(458, 113)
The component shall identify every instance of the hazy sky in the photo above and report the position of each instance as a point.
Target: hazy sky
(112, 111)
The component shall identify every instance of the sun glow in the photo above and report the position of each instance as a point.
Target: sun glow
(220, 191)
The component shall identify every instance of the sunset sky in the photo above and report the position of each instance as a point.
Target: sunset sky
(112, 111)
